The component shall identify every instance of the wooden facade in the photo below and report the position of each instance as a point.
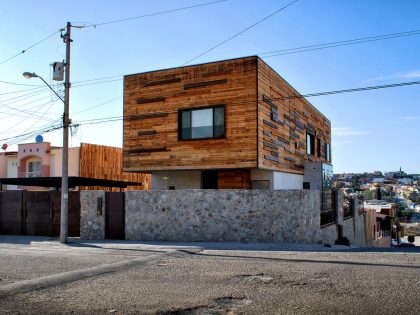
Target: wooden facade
(104, 162)
(284, 119)
(266, 121)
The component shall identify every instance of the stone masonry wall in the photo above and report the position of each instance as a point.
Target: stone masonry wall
(288, 216)
(92, 224)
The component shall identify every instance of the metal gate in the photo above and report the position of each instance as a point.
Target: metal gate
(11, 222)
(115, 215)
(37, 213)
(73, 220)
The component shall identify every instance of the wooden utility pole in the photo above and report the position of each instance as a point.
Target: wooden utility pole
(65, 160)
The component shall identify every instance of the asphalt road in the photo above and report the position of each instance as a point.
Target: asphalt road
(131, 278)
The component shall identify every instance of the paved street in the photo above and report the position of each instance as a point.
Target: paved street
(41, 276)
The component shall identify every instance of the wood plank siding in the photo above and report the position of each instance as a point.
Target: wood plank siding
(151, 126)
(98, 161)
(263, 128)
(284, 118)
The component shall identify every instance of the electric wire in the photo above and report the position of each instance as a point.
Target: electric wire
(261, 54)
(14, 83)
(360, 89)
(135, 117)
(25, 90)
(153, 14)
(30, 47)
(301, 49)
(241, 32)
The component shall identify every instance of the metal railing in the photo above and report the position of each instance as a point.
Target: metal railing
(328, 207)
(29, 174)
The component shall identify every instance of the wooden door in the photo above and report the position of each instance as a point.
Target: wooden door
(115, 215)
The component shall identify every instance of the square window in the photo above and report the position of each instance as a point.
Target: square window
(203, 123)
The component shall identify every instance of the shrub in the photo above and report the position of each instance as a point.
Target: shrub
(410, 238)
(343, 241)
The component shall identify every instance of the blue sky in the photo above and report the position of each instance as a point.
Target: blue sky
(374, 130)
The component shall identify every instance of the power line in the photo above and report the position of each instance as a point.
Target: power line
(360, 89)
(30, 47)
(239, 33)
(25, 90)
(135, 117)
(153, 14)
(98, 105)
(13, 83)
(262, 55)
(336, 44)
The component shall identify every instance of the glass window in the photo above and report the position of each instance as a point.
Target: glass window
(327, 152)
(34, 169)
(202, 123)
(186, 125)
(310, 143)
(219, 122)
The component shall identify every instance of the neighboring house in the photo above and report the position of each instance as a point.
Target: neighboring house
(34, 161)
(229, 124)
(384, 216)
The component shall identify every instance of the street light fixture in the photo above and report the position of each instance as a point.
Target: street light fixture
(65, 159)
(29, 75)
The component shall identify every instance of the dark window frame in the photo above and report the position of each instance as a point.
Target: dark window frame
(180, 112)
(311, 149)
(318, 147)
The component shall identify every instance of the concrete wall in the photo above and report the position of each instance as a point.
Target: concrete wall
(92, 224)
(56, 162)
(354, 230)
(161, 180)
(3, 165)
(328, 234)
(289, 216)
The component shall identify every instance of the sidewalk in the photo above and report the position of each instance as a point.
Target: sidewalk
(73, 242)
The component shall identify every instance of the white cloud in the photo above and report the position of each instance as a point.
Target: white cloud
(411, 118)
(414, 74)
(339, 142)
(346, 131)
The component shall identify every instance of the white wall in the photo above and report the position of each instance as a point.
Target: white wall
(180, 179)
(287, 181)
(278, 180)
(12, 170)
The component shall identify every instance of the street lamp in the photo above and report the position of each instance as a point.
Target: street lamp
(30, 75)
(65, 158)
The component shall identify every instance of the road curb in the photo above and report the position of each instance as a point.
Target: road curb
(71, 276)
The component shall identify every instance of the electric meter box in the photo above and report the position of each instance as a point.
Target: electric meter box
(58, 71)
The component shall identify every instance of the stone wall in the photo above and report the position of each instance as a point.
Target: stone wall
(328, 234)
(283, 216)
(92, 221)
(288, 216)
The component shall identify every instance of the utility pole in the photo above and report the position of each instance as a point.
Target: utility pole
(65, 160)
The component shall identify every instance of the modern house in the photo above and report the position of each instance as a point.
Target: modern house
(90, 167)
(233, 124)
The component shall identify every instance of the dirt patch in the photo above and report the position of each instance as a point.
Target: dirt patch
(221, 306)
